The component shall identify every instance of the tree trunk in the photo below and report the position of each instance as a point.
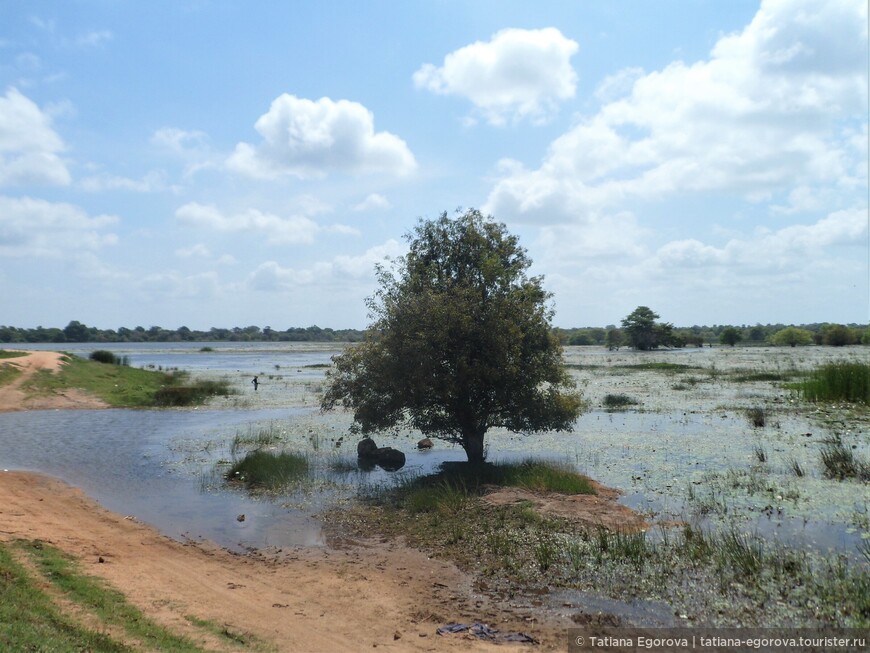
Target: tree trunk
(473, 445)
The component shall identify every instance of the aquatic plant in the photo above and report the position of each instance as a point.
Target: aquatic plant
(265, 470)
(839, 462)
(757, 417)
(838, 381)
(614, 402)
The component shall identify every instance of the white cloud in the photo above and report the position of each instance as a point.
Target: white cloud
(761, 115)
(173, 284)
(277, 229)
(29, 146)
(271, 276)
(372, 202)
(310, 139)
(197, 250)
(37, 228)
(151, 182)
(789, 247)
(517, 74)
(179, 141)
(94, 38)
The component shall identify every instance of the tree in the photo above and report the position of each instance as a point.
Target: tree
(730, 336)
(460, 342)
(791, 336)
(838, 335)
(642, 330)
(614, 339)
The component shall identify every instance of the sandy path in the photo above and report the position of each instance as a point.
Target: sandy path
(381, 595)
(12, 397)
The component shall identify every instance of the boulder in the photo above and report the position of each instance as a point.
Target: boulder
(366, 448)
(390, 459)
(425, 443)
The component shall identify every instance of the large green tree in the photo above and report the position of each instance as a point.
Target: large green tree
(461, 342)
(642, 330)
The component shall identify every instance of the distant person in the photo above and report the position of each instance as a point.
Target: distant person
(256, 383)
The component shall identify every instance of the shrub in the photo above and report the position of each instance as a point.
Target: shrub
(108, 358)
(612, 402)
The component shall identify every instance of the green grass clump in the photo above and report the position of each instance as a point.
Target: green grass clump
(174, 394)
(839, 381)
(8, 373)
(615, 402)
(266, 436)
(757, 416)
(269, 471)
(839, 462)
(450, 489)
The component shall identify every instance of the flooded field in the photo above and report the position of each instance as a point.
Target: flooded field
(677, 432)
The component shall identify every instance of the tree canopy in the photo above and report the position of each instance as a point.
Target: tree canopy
(642, 330)
(461, 342)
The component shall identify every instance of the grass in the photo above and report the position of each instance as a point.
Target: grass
(660, 367)
(259, 438)
(33, 619)
(30, 621)
(757, 417)
(126, 387)
(615, 402)
(8, 373)
(11, 354)
(838, 381)
(268, 471)
(109, 358)
(839, 462)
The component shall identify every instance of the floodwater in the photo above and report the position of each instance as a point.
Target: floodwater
(680, 455)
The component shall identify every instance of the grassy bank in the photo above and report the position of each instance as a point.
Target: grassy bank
(729, 577)
(123, 386)
(48, 604)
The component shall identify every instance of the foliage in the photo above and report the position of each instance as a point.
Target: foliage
(615, 401)
(461, 342)
(615, 339)
(730, 336)
(838, 335)
(791, 336)
(643, 332)
(108, 358)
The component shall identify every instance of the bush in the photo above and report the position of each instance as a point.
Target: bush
(108, 358)
(189, 395)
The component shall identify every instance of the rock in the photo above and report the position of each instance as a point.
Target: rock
(390, 459)
(425, 443)
(240, 518)
(366, 448)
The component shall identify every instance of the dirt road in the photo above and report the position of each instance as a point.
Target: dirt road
(13, 397)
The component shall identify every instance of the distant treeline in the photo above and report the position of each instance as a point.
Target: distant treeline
(698, 336)
(821, 333)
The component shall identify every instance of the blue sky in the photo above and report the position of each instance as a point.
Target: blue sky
(212, 163)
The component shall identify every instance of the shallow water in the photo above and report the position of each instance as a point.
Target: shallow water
(124, 460)
(686, 452)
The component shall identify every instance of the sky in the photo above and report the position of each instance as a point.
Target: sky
(218, 163)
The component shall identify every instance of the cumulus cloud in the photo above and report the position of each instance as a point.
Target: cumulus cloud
(38, 228)
(309, 139)
(762, 114)
(787, 247)
(271, 276)
(29, 146)
(373, 202)
(292, 229)
(517, 74)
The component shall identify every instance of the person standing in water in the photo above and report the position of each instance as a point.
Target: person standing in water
(256, 382)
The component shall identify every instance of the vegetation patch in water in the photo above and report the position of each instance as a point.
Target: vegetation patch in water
(269, 471)
(838, 381)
